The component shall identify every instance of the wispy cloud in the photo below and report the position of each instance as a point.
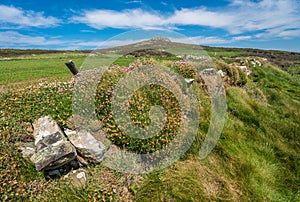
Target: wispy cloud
(210, 40)
(15, 39)
(12, 39)
(202, 40)
(290, 33)
(164, 3)
(237, 17)
(108, 43)
(87, 31)
(241, 38)
(134, 2)
(200, 17)
(11, 16)
(135, 18)
(264, 15)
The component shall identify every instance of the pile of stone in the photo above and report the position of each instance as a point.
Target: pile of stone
(58, 152)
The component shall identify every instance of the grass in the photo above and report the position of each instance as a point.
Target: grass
(256, 159)
(214, 53)
(258, 143)
(20, 70)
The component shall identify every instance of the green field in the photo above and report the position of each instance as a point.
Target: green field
(22, 69)
(256, 159)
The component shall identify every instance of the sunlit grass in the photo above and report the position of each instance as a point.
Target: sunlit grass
(256, 158)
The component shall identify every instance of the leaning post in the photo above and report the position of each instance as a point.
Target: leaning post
(72, 67)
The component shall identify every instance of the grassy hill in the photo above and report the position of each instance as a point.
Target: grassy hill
(256, 158)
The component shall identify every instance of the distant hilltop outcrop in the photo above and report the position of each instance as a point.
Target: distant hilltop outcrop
(158, 38)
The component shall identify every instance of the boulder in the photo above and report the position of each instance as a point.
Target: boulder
(208, 72)
(78, 177)
(53, 150)
(87, 145)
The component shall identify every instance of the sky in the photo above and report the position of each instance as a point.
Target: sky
(78, 24)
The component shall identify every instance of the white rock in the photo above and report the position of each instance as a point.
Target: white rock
(52, 148)
(221, 73)
(78, 177)
(88, 146)
(189, 81)
(243, 68)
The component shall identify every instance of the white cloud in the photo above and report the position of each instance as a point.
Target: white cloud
(290, 33)
(134, 18)
(109, 43)
(134, 2)
(202, 40)
(244, 16)
(264, 15)
(87, 31)
(12, 39)
(279, 32)
(164, 3)
(12, 16)
(241, 38)
(238, 17)
(210, 40)
(15, 39)
(201, 17)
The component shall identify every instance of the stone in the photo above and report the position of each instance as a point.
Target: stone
(189, 81)
(78, 177)
(243, 68)
(221, 73)
(208, 72)
(27, 149)
(87, 145)
(71, 123)
(53, 150)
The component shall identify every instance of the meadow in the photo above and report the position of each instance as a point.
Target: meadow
(256, 158)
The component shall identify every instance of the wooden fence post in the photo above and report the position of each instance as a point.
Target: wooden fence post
(72, 67)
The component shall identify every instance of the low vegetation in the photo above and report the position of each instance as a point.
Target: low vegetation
(256, 159)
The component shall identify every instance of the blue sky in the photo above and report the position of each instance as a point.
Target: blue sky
(77, 24)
